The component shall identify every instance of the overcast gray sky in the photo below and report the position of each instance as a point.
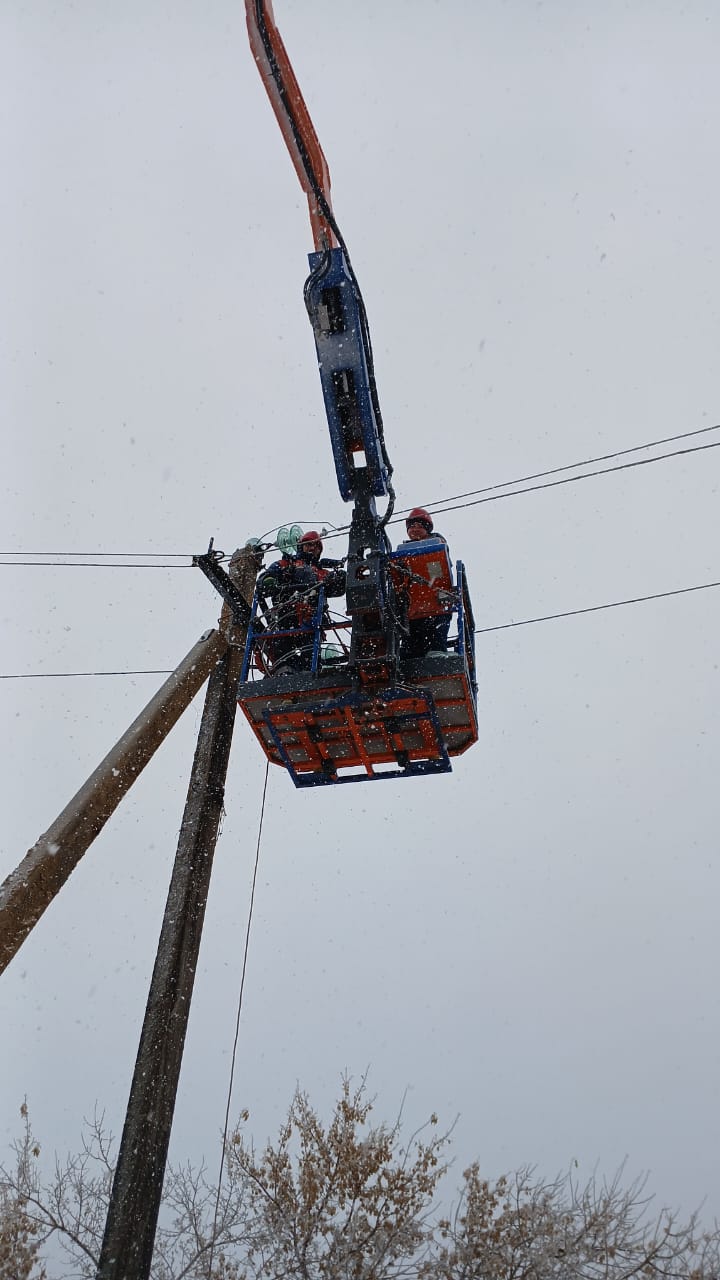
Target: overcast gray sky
(530, 195)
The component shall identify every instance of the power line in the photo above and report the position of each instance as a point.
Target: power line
(128, 555)
(69, 675)
(327, 525)
(436, 505)
(585, 462)
(552, 484)
(480, 631)
(80, 564)
(585, 475)
(595, 608)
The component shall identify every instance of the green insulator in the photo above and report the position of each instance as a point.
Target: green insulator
(287, 538)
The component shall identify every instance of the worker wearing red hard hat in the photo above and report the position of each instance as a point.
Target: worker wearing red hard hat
(330, 572)
(426, 635)
(292, 584)
(310, 547)
(419, 524)
(310, 543)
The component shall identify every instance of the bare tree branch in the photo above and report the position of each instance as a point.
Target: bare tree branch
(349, 1200)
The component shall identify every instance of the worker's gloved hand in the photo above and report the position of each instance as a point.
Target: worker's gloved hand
(335, 583)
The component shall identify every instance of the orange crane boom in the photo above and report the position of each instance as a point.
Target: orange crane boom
(293, 117)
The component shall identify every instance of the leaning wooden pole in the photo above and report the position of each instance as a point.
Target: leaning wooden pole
(135, 1200)
(30, 889)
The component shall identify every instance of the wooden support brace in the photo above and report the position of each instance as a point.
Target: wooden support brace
(30, 889)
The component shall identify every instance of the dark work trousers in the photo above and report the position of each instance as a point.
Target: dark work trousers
(426, 634)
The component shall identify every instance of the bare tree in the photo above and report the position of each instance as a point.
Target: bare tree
(522, 1228)
(20, 1239)
(19, 1245)
(348, 1200)
(71, 1205)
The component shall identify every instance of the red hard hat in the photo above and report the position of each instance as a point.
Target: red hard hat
(419, 513)
(312, 535)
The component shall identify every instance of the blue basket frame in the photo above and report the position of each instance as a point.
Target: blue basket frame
(464, 644)
(314, 626)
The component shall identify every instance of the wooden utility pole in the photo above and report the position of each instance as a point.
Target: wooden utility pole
(137, 1188)
(28, 890)
(135, 1201)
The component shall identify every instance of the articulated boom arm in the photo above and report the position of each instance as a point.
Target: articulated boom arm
(342, 340)
(332, 295)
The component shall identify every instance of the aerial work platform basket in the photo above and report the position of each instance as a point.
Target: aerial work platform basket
(325, 726)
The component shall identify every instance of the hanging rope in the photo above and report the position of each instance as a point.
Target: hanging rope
(237, 1021)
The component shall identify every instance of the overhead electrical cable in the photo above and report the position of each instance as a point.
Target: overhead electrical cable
(82, 564)
(480, 631)
(128, 555)
(68, 675)
(550, 484)
(584, 475)
(584, 462)
(436, 505)
(330, 527)
(596, 608)
(327, 525)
